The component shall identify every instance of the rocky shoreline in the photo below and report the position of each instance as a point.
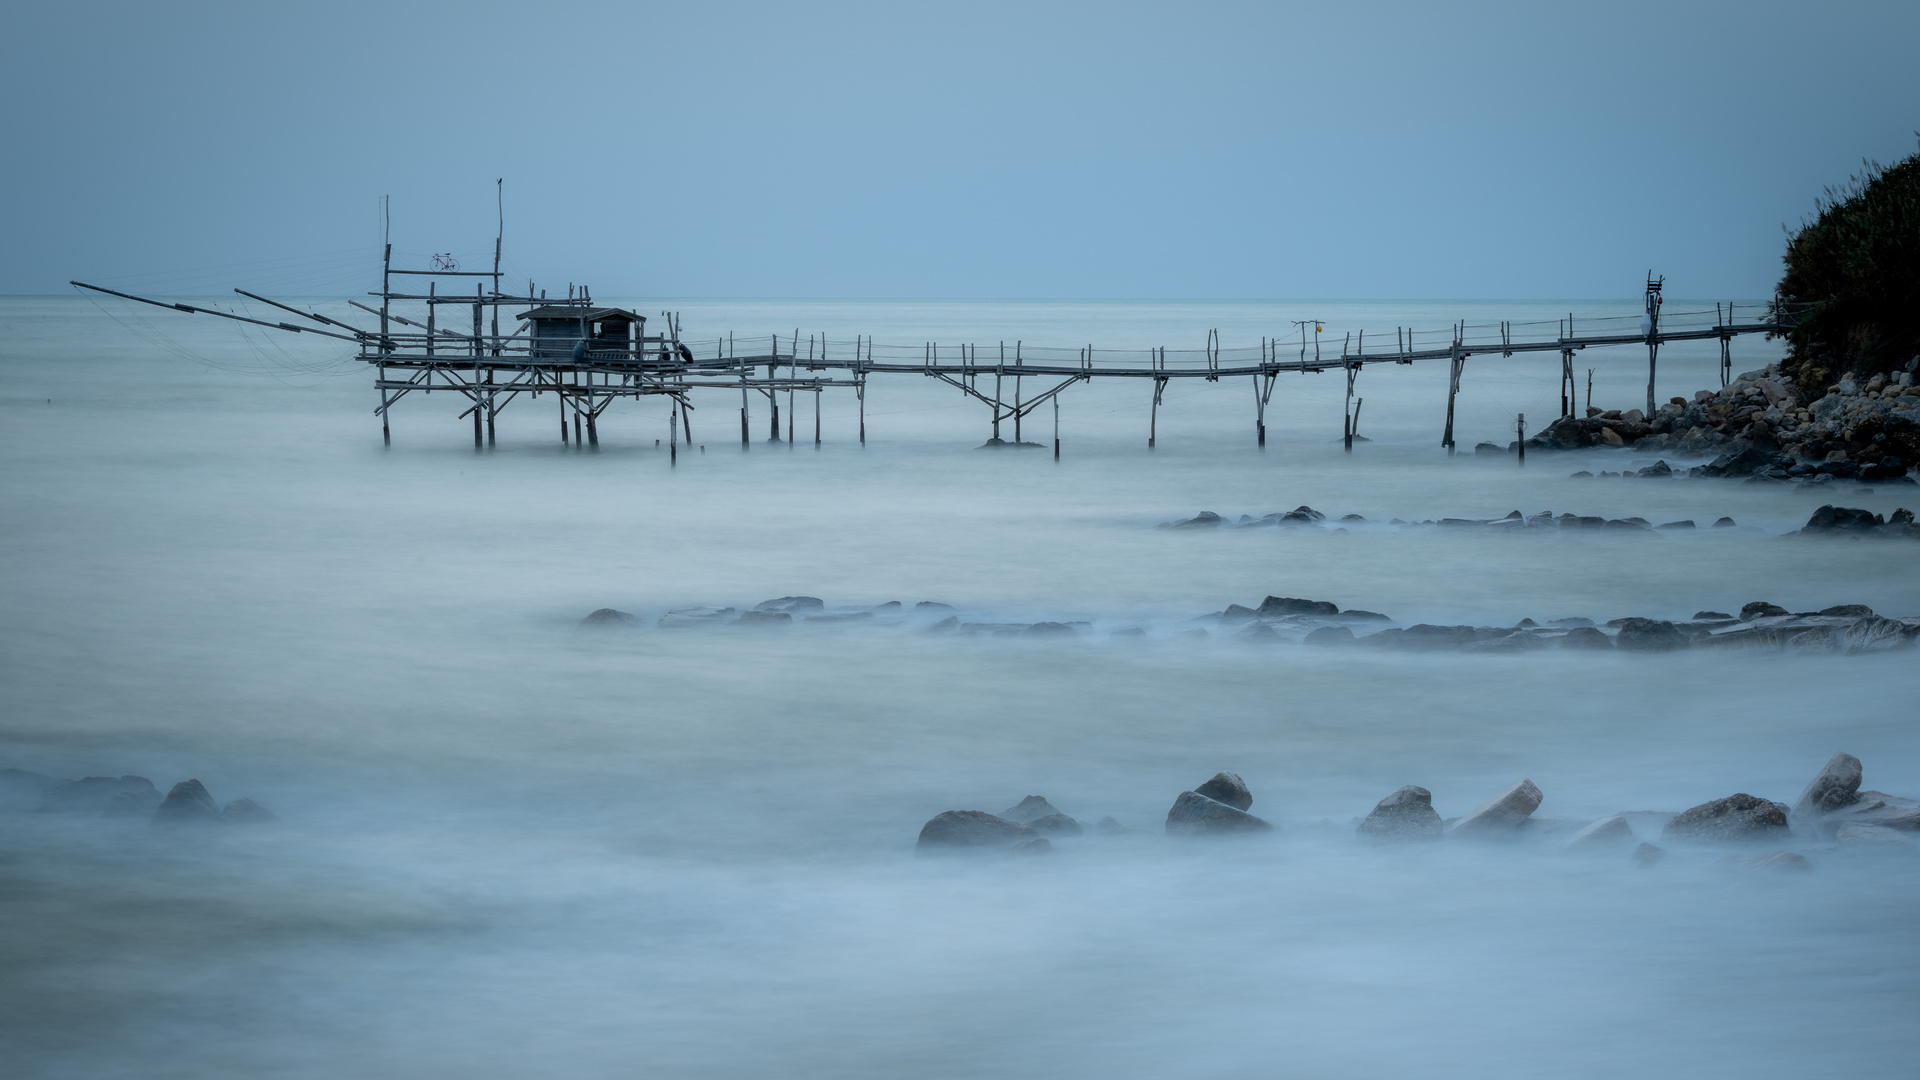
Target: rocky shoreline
(1827, 520)
(1738, 831)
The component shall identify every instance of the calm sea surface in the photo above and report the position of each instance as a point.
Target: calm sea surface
(510, 849)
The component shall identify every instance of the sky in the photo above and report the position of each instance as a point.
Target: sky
(1016, 150)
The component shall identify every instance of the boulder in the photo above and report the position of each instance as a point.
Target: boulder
(1760, 609)
(1030, 809)
(1586, 637)
(1205, 519)
(1851, 611)
(1646, 856)
(1724, 523)
(187, 804)
(1875, 634)
(760, 617)
(1739, 816)
(1050, 629)
(1277, 606)
(1500, 814)
(1606, 834)
(792, 605)
(1835, 787)
(1109, 826)
(1864, 837)
(695, 616)
(1226, 787)
(1515, 641)
(1699, 615)
(1843, 519)
(1358, 615)
(101, 795)
(1650, 635)
(1056, 825)
(1407, 814)
(959, 830)
(1430, 636)
(1193, 814)
(1329, 635)
(1657, 469)
(607, 617)
(246, 812)
(1039, 845)
(1238, 613)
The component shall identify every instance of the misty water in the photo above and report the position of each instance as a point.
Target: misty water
(510, 848)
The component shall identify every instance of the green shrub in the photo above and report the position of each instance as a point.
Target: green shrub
(1853, 278)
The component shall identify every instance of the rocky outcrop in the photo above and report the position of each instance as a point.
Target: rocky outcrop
(1227, 788)
(1193, 814)
(1586, 637)
(246, 812)
(792, 605)
(1501, 814)
(187, 804)
(1278, 606)
(1030, 808)
(1835, 787)
(1738, 817)
(964, 830)
(606, 617)
(1607, 834)
(1407, 814)
(1875, 838)
(1650, 635)
(109, 795)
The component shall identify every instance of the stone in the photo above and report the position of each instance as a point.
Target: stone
(246, 812)
(1875, 634)
(931, 607)
(1109, 826)
(1586, 637)
(1277, 606)
(1851, 611)
(1656, 470)
(1864, 837)
(1724, 523)
(970, 829)
(1685, 523)
(1515, 641)
(1238, 613)
(944, 626)
(1429, 636)
(1039, 845)
(1845, 519)
(187, 804)
(1711, 615)
(100, 795)
(695, 616)
(1050, 629)
(1328, 635)
(1818, 639)
(1029, 809)
(1500, 814)
(759, 617)
(1407, 814)
(1772, 862)
(607, 617)
(1056, 825)
(1610, 437)
(1739, 817)
(1647, 856)
(1650, 635)
(1357, 615)
(1226, 787)
(1607, 833)
(1835, 787)
(792, 605)
(1193, 814)
(1760, 609)
(1205, 519)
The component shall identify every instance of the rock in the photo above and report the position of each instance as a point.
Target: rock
(246, 812)
(1407, 814)
(1277, 606)
(1686, 523)
(1818, 639)
(1429, 636)
(187, 804)
(1516, 641)
(1760, 609)
(22, 790)
(1724, 523)
(792, 605)
(1500, 814)
(760, 617)
(695, 616)
(1831, 519)
(1771, 862)
(1610, 437)
(1056, 825)
(1050, 629)
(1039, 845)
(1030, 809)
(1835, 787)
(1328, 635)
(970, 829)
(1259, 632)
(101, 795)
(1874, 634)
(1357, 615)
(607, 617)
(1646, 856)
(1866, 837)
(1737, 817)
(931, 607)
(1607, 833)
(1851, 611)
(1489, 448)
(1226, 787)
(1586, 637)
(1650, 635)
(1205, 519)
(946, 625)
(1110, 827)
(888, 608)
(1698, 615)
(1193, 814)
(1238, 613)
(1657, 469)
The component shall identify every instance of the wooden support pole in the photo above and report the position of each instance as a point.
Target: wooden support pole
(673, 432)
(1016, 392)
(1056, 427)
(860, 390)
(490, 406)
(1520, 426)
(816, 421)
(1153, 413)
(560, 395)
(386, 431)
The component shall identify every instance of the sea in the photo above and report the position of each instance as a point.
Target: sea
(509, 846)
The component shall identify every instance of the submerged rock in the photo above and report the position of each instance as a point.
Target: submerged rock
(21, 790)
(1227, 788)
(1108, 826)
(607, 617)
(1193, 814)
(1739, 816)
(1835, 787)
(187, 804)
(1607, 833)
(1029, 809)
(760, 617)
(695, 616)
(1586, 637)
(1328, 635)
(1864, 837)
(1407, 814)
(1276, 606)
(1039, 845)
(113, 795)
(246, 812)
(1205, 519)
(1760, 609)
(1056, 825)
(970, 829)
(792, 605)
(1500, 814)
(1646, 856)
(1875, 634)
(1650, 635)
(1771, 862)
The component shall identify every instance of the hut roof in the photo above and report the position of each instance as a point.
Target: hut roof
(575, 311)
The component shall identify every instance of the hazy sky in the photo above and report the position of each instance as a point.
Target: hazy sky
(959, 150)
